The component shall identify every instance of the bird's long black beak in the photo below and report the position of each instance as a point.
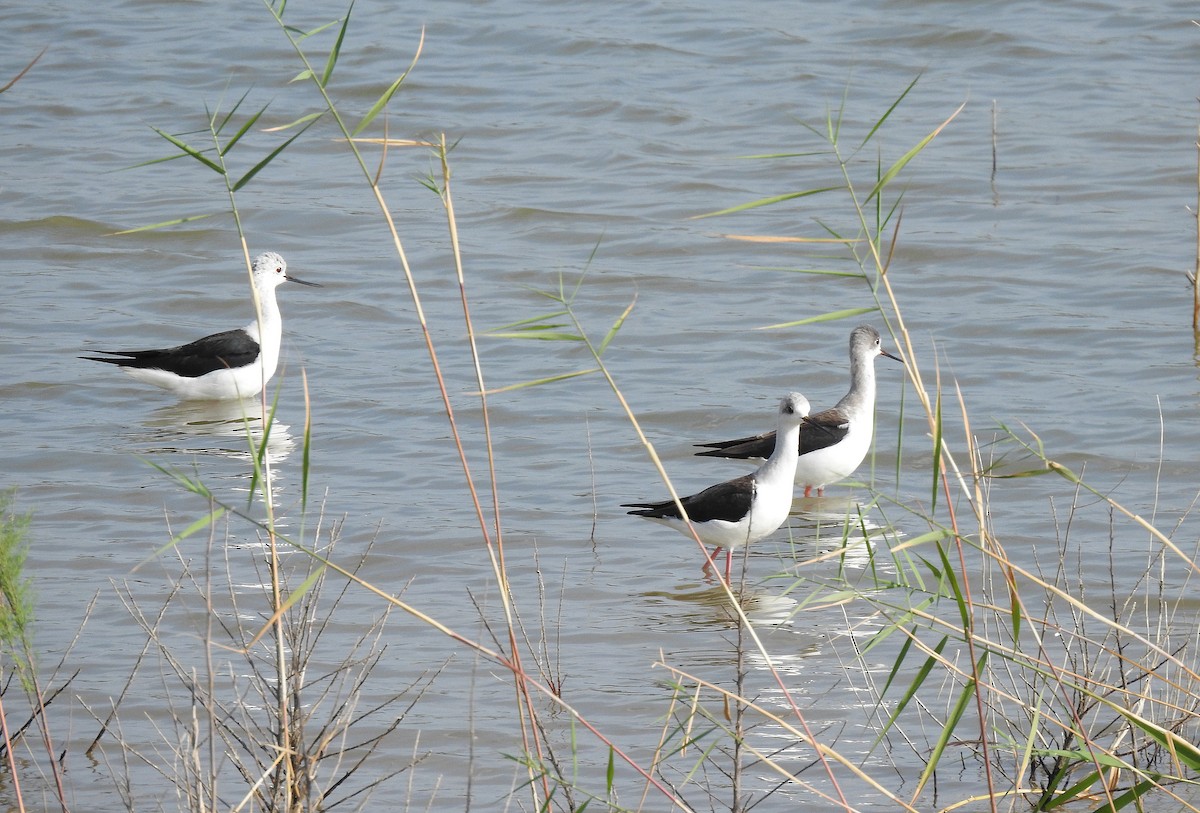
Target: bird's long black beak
(882, 352)
(290, 278)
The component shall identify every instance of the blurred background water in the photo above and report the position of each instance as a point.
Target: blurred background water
(1049, 287)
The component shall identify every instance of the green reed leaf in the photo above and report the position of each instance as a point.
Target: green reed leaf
(754, 204)
(825, 317)
(302, 120)
(896, 168)
(544, 334)
(956, 713)
(769, 156)
(916, 683)
(898, 623)
(198, 525)
(336, 50)
(245, 179)
(1131, 795)
(539, 382)
(534, 320)
(610, 774)
(1074, 790)
(228, 117)
(612, 332)
(950, 577)
(1182, 750)
(303, 35)
(192, 151)
(887, 114)
(245, 128)
(303, 588)
(383, 100)
(937, 450)
(176, 222)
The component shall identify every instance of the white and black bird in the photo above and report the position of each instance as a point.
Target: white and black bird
(741, 511)
(232, 364)
(834, 441)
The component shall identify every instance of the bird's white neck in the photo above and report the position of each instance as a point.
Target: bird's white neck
(267, 330)
(782, 462)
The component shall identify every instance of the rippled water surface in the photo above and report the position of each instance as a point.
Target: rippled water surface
(1040, 266)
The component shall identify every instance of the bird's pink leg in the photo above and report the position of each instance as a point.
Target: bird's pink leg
(808, 491)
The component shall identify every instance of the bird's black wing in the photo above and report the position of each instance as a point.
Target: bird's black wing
(816, 432)
(823, 429)
(232, 348)
(742, 448)
(729, 501)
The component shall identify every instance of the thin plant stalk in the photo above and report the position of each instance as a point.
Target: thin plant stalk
(1196, 269)
(11, 758)
(282, 683)
(498, 564)
(491, 654)
(321, 83)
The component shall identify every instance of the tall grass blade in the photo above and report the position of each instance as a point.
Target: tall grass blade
(549, 380)
(245, 179)
(917, 681)
(611, 773)
(259, 449)
(900, 164)
(287, 604)
(612, 332)
(303, 35)
(1015, 611)
(336, 50)
(754, 204)
(544, 333)
(198, 525)
(532, 320)
(1183, 751)
(956, 713)
(887, 114)
(383, 100)
(245, 128)
(192, 151)
(302, 120)
(897, 624)
(228, 116)
(773, 155)
(190, 484)
(950, 577)
(1074, 790)
(825, 317)
(937, 451)
(774, 238)
(176, 222)
(1129, 797)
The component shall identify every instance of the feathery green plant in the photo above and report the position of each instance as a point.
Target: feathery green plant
(16, 592)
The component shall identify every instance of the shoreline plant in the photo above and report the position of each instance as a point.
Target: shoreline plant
(1057, 701)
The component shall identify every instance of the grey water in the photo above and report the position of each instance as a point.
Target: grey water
(1043, 242)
